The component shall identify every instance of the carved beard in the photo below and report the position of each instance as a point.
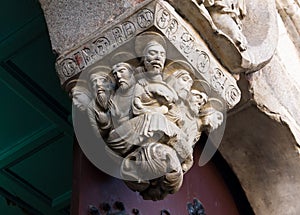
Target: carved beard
(124, 86)
(183, 94)
(195, 109)
(153, 66)
(127, 84)
(102, 100)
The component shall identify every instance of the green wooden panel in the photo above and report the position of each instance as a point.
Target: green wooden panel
(14, 14)
(20, 191)
(52, 172)
(22, 37)
(29, 146)
(35, 156)
(37, 62)
(6, 209)
(19, 120)
(33, 99)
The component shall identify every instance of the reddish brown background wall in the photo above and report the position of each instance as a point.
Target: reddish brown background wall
(92, 187)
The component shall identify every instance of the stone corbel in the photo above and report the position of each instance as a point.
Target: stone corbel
(149, 85)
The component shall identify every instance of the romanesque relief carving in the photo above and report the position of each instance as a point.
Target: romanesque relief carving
(79, 93)
(149, 113)
(149, 87)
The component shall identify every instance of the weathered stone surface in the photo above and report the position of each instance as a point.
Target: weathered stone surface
(261, 152)
(118, 37)
(70, 22)
(150, 116)
(289, 11)
(261, 140)
(258, 26)
(275, 88)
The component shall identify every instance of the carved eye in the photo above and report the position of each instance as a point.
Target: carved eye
(185, 78)
(122, 70)
(152, 52)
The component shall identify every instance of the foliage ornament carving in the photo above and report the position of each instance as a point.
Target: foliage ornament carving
(143, 91)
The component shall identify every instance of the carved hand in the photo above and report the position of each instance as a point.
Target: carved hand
(162, 109)
(114, 110)
(101, 117)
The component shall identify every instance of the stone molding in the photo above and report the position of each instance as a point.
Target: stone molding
(179, 33)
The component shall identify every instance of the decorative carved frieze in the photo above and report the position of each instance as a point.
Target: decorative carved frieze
(180, 34)
(104, 43)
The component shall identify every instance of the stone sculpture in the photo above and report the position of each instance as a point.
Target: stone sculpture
(226, 16)
(151, 115)
(152, 122)
(78, 91)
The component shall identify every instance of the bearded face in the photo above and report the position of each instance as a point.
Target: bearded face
(124, 76)
(197, 100)
(154, 58)
(183, 85)
(102, 99)
(102, 89)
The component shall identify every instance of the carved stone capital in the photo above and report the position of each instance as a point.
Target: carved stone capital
(149, 86)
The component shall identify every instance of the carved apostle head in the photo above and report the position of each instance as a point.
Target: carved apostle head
(78, 91)
(154, 57)
(124, 75)
(211, 114)
(80, 98)
(212, 119)
(197, 100)
(151, 46)
(177, 74)
(183, 83)
(102, 84)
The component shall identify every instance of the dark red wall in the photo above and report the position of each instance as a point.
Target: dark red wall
(92, 187)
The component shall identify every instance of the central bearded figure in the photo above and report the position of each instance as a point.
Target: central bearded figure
(150, 117)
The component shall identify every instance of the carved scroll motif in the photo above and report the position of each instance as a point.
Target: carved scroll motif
(193, 48)
(104, 43)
